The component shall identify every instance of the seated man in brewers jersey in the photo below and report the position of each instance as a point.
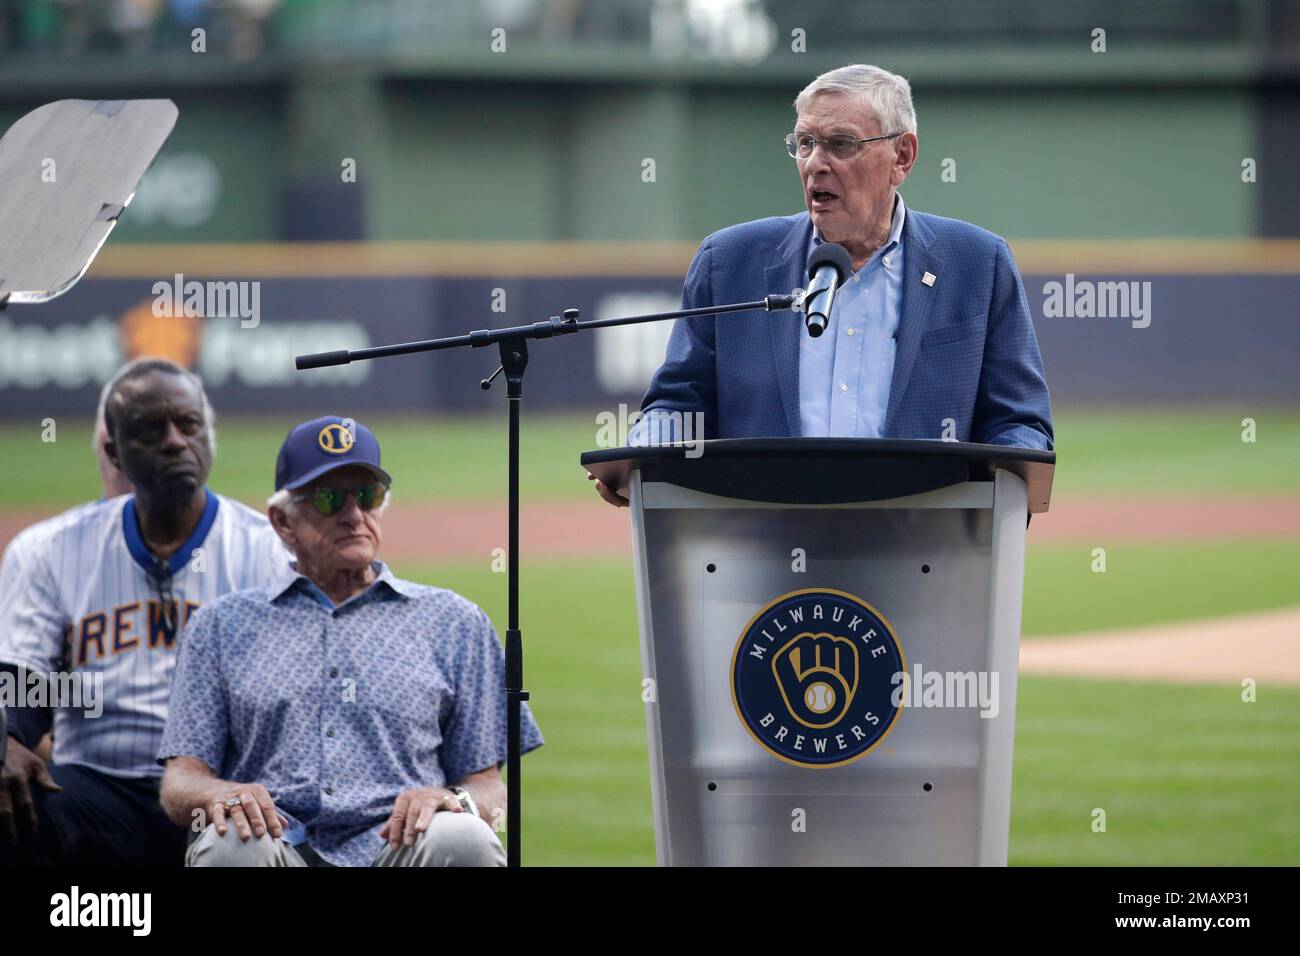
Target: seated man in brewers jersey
(341, 716)
(13, 567)
(105, 594)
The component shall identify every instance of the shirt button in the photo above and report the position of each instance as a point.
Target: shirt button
(850, 331)
(334, 672)
(856, 278)
(329, 791)
(844, 386)
(330, 732)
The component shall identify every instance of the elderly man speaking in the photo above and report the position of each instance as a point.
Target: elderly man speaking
(930, 337)
(340, 716)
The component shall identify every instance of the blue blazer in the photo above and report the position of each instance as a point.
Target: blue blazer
(966, 344)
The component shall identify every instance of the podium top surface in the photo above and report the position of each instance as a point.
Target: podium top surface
(823, 470)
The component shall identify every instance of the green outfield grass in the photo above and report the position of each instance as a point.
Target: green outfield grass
(437, 459)
(1187, 775)
(1177, 451)
(1154, 584)
(1191, 451)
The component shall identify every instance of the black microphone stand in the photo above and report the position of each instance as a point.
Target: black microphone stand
(512, 344)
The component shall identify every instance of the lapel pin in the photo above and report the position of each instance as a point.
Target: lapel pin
(928, 278)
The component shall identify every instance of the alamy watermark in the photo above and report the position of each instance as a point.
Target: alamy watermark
(923, 688)
(212, 300)
(1085, 299)
(130, 910)
(76, 690)
(659, 427)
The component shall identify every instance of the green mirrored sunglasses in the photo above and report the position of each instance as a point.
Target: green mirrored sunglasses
(329, 500)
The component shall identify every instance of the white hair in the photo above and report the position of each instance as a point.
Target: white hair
(887, 95)
(142, 366)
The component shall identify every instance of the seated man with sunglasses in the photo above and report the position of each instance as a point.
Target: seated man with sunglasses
(341, 716)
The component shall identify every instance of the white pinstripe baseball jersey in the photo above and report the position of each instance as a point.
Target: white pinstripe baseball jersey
(77, 595)
(14, 567)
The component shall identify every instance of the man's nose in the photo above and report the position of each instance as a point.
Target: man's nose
(351, 511)
(174, 439)
(816, 161)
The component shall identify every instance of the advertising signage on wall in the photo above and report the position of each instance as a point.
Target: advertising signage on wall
(1164, 338)
(54, 358)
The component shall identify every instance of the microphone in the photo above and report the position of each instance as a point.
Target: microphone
(828, 267)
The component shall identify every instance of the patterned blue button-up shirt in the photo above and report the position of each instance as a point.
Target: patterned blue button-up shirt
(337, 710)
(844, 376)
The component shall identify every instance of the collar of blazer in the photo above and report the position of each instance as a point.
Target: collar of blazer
(788, 273)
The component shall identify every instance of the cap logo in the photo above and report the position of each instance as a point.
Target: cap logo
(334, 439)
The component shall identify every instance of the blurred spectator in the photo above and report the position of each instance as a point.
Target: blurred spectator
(133, 22)
(247, 25)
(236, 28)
(725, 29)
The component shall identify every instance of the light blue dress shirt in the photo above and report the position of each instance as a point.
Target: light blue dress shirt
(844, 376)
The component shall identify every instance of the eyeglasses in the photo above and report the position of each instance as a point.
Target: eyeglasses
(330, 501)
(801, 145)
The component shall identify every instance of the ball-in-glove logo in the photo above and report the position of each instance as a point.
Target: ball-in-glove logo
(817, 675)
(812, 677)
(335, 438)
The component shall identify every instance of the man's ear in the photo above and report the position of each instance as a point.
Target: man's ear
(280, 522)
(905, 159)
(110, 449)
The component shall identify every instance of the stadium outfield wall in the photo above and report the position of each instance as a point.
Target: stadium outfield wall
(1159, 322)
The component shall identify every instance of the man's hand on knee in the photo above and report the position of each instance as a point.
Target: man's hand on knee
(413, 812)
(21, 769)
(247, 808)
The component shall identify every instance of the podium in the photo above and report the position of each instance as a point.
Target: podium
(830, 634)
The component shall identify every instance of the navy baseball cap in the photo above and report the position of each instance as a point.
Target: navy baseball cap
(323, 444)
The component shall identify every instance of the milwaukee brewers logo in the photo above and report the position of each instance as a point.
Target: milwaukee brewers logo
(335, 439)
(811, 677)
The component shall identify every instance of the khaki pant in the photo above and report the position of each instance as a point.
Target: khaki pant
(453, 839)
